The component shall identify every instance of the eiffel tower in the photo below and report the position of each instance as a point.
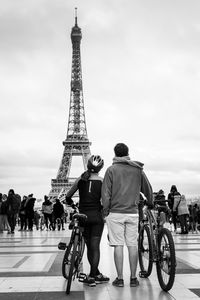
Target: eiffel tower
(76, 142)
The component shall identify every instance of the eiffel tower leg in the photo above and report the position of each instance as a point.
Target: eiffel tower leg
(65, 165)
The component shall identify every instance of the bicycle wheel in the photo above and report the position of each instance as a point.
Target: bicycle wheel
(145, 251)
(73, 263)
(166, 263)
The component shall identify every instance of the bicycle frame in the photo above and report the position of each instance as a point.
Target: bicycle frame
(155, 244)
(153, 220)
(71, 265)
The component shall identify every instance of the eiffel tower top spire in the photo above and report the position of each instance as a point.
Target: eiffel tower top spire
(76, 16)
(76, 35)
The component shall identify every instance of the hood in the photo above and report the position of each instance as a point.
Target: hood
(127, 160)
(173, 189)
(48, 202)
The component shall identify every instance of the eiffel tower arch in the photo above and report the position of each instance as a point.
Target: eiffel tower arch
(76, 142)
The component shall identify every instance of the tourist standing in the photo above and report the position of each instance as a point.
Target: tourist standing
(14, 202)
(89, 186)
(193, 210)
(173, 192)
(1, 215)
(183, 212)
(4, 225)
(160, 198)
(47, 210)
(121, 188)
(30, 202)
(22, 214)
(58, 213)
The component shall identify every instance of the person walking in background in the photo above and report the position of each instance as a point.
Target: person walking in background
(4, 225)
(1, 215)
(193, 209)
(183, 212)
(173, 192)
(58, 213)
(14, 202)
(121, 188)
(89, 186)
(29, 207)
(47, 210)
(22, 214)
(160, 197)
(36, 218)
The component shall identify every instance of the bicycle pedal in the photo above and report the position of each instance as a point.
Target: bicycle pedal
(62, 246)
(143, 274)
(81, 277)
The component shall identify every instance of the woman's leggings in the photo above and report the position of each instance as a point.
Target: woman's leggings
(93, 230)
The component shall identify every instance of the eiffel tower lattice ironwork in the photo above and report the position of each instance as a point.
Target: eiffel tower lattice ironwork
(76, 142)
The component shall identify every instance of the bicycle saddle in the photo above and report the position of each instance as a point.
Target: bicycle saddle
(80, 217)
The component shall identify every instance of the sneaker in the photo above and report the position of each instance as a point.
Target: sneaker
(118, 282)
(101, 278)
(134, 282)
(89, 281)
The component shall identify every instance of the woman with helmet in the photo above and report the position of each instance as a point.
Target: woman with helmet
(89, 188)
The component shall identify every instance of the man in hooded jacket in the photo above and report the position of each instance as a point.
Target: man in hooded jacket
(123, 182)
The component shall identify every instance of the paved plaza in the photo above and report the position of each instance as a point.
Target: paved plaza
(30, 268)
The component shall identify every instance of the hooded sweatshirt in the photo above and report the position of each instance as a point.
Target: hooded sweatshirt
(122, 184)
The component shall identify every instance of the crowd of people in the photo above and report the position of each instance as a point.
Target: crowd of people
(22, 212)
(188, 216)
(178, 212)
(112, 200)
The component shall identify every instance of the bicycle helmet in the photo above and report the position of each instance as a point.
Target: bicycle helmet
(95, 163)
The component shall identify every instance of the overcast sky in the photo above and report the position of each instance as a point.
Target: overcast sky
(141, 73)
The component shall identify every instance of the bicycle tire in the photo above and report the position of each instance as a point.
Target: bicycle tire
(166, 263)
(81, 250)
(73, 259)
(82, 246)
(145, 251)
(66, 259)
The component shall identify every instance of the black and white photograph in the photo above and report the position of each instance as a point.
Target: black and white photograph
(100, 149)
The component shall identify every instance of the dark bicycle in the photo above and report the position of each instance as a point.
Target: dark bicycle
(156, 245)
(71, 264)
